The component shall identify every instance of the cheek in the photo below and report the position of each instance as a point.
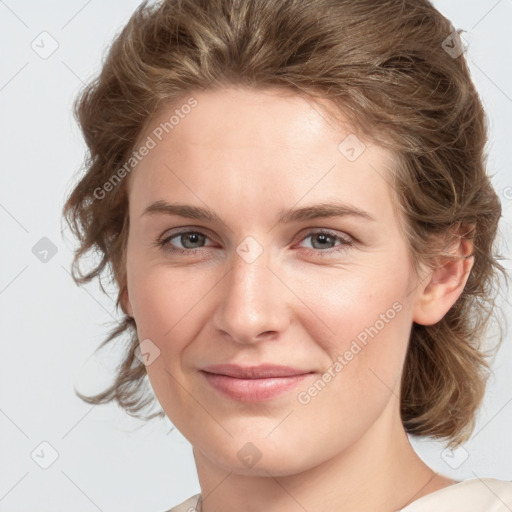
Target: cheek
(362, 322)
(363, 377)
(157, 310)
(166, 303)
(348, 303)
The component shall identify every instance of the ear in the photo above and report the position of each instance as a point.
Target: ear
(444, 284)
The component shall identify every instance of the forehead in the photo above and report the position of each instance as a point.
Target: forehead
(244, 117)
(245, 143)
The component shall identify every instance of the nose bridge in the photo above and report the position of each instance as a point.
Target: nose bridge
(252, 301)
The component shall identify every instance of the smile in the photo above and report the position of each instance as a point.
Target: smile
(253, 389)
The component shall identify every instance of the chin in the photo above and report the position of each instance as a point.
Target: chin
(259, 457)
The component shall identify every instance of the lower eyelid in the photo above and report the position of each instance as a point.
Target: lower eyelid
(339, 238)
(344, 242)
(167, 240)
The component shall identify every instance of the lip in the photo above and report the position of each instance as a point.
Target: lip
(262, 371)
(253, 383)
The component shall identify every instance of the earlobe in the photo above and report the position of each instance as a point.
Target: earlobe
(444, 285)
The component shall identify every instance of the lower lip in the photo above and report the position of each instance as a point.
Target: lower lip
(253, 390)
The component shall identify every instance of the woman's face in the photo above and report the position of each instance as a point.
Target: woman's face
(260, 284)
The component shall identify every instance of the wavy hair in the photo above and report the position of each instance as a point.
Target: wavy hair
(396, 70)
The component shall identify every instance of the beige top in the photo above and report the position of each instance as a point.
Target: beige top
(473, 495)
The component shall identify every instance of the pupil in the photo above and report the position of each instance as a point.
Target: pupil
(192, 236)
(323, 238)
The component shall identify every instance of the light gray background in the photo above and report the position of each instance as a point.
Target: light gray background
(108, 461)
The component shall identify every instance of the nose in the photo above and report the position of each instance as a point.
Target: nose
(253, 304)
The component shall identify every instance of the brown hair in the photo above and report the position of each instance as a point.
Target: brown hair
(389, 68)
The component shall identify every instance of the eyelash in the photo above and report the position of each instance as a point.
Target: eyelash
(345, 242)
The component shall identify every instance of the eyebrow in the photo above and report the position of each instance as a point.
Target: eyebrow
(317, 211)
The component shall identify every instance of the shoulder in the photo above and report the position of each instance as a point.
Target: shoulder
(190, 505)
(472, 495)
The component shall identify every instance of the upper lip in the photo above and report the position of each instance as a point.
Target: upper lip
(261, 371)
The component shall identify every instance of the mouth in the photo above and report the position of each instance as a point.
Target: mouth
(255, 383)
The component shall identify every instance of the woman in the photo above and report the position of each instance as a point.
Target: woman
(327, 158)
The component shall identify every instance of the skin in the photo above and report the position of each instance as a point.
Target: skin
(247, 154)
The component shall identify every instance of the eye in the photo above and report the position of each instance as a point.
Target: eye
(323, 240)
(188, 240)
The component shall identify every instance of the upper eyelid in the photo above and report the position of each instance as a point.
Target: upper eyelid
(182, 231)
(305, 233)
